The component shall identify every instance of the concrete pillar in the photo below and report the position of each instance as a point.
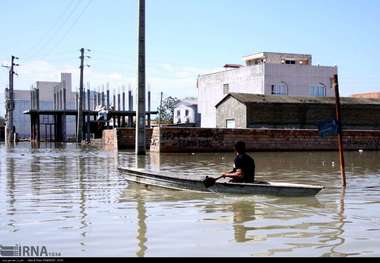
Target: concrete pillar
(130, 108)
(149, 109)
(123, 120)
(140, 113)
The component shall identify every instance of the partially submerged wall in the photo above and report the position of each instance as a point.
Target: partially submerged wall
(191, 140)
(124, 138)
(194, 140)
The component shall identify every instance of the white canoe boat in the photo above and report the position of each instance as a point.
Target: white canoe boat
(182, 183)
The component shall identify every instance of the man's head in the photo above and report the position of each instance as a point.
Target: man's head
(240, 147)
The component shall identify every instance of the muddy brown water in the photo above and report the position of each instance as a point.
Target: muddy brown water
(74, 201)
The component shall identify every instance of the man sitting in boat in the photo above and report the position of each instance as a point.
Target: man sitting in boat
(244, 168)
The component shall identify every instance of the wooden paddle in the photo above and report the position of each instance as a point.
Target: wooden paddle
(210, 182)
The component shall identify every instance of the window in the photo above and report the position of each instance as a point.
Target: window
(226, 89)
(178, 113)
(187, 113)
(290, 62)
(230, 124)
(280, 89)
(318, 90)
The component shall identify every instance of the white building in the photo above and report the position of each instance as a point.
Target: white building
(46, 96)
(21, 121)
(186, 112)
(265, 73)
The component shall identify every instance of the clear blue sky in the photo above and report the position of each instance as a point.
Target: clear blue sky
(185, 38)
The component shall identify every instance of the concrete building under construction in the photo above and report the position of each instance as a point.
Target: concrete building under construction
(50, 93)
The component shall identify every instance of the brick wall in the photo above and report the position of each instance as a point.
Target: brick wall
(356, 114)
(232, 110)
(371, 95)
(123, 138)
(109, 138)
(308, 116)
(188, 140)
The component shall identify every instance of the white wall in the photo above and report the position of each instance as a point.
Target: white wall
(22, 121)
(183, 108)
(211, 89)
(299, 78)
(258, 79)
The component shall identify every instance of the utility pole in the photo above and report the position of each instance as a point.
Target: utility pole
(64, 112)
(140, 114)
(81, 97)
(10, 104)
(130, 108)
(149, 109)
(88, 130)
(160, 117)
(340, 131)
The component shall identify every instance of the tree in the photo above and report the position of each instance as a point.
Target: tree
(167, 110)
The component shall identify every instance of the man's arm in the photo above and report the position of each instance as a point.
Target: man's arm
(237, 174)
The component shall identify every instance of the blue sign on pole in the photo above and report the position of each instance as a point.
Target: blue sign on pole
(328, 128)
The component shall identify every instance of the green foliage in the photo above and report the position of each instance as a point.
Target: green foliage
(167, 110)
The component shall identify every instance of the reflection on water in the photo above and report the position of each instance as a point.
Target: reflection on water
(74, 200)
(339, 237)
(141, 237)
(243, 212)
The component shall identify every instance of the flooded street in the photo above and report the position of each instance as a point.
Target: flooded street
(74, 201)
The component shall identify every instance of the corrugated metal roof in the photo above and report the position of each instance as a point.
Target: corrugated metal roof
(254, 98)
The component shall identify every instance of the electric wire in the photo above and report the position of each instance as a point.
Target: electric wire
(64, 36)
(61, 21)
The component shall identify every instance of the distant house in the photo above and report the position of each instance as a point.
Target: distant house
(241, 111)
(186, 113)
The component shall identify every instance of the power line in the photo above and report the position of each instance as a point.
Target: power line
(49, 36)
(70, 28)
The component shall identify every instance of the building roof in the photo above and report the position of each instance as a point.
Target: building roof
(188, 102)
(253, 98)
(264, 54)
(233, 66)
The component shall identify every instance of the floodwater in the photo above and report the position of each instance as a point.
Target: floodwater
(74, 201)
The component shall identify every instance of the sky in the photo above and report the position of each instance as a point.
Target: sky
(184, 39)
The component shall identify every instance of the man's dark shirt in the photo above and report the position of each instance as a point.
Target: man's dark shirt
(247, 165)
